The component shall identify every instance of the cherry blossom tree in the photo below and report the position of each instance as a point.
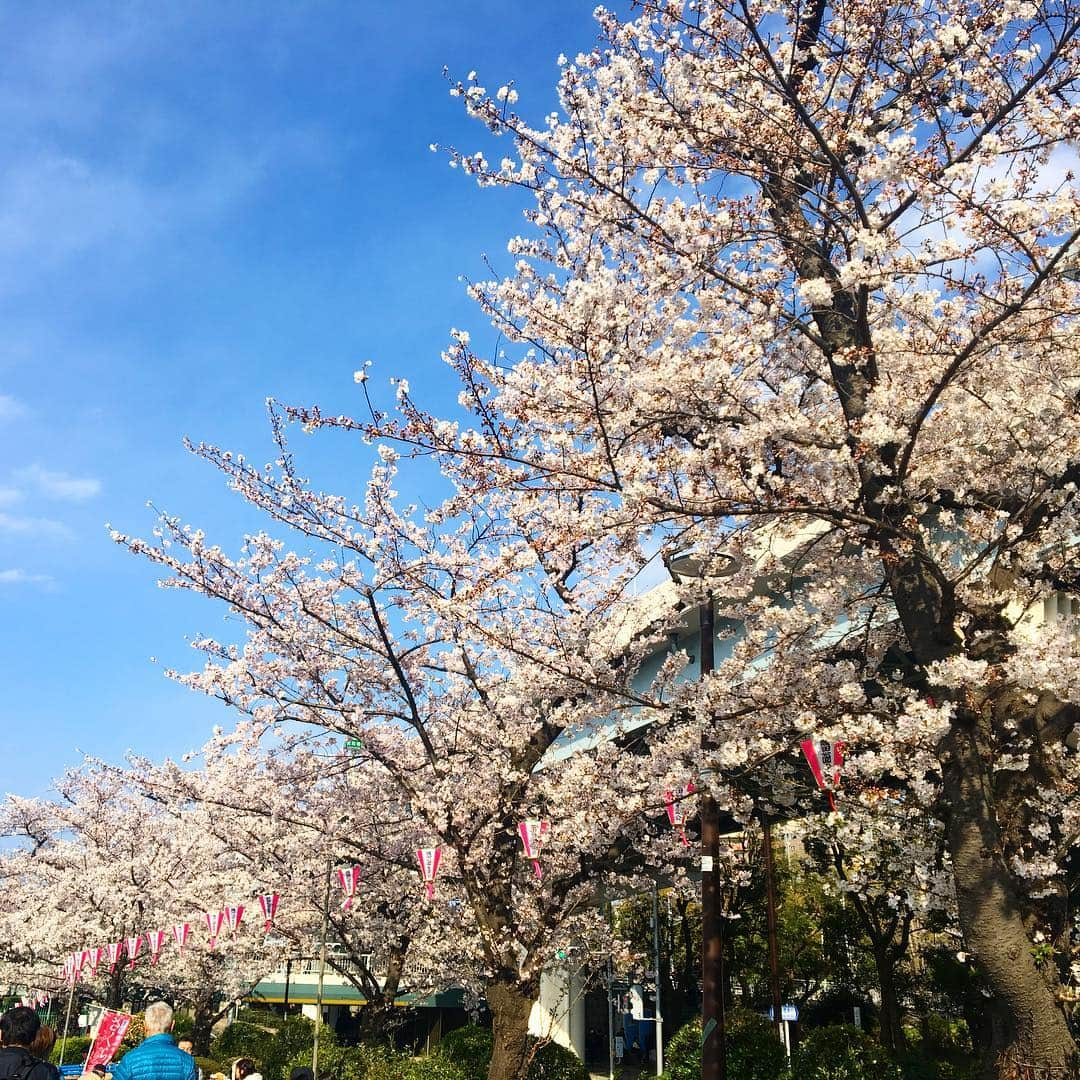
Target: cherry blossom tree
(469, 666)
(101, 863)
(797, 293)
(298, 816)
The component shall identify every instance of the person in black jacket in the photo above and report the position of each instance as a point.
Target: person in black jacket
(18, 1028)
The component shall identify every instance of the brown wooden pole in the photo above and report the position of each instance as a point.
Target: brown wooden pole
(770, 909)
(713, 1041)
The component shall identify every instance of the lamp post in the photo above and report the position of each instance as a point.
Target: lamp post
(322, 972)
(713, 1018)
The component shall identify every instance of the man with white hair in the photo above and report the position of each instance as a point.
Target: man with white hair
(157, 1057)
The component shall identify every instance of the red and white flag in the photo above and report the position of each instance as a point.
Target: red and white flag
(233, 914)
(93, 959)
(533, 833)
(111, 1030)
(676, 812)
(180, 932)
(429, 858)
(133, 946)
(113, 950)
(826, 760)
(154, 940)
(214, 919)
(268, 902)
(83, 964)
(349, 876)
(71, 968)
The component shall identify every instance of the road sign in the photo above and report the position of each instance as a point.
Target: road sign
(354, 744)
(787, 1012)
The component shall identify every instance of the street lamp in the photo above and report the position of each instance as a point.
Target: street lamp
(713, 1006)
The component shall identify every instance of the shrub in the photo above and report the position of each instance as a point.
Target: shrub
(469, 1049)
(362, 1062)
(555, 1062)
(682, 1057)
(293, 1039)
(261, 1016)
(240, 1040)
(753, 1050)
(209, 1066)
(135, 1033)
(842, 1053)
(433, 1067)
(75, 1051)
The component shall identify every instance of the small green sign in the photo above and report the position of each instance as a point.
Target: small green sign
(710, 1027)
(354, 744)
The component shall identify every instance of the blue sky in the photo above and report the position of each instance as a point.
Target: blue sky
(202, 205)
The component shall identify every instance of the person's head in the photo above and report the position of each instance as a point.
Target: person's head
(243, 1067)
(98, 1070)
(301, 1072)
(186, 1045)
(158, 1018)
(18, 1026)
(43, 1042)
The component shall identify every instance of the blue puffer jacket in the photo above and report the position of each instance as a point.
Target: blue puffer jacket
(156, 1058)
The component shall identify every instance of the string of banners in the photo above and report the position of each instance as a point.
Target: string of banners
(824, 757)
(84, 963)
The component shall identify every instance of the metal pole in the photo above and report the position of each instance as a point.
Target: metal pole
(322, 973)
(610, 1024)
(659, 1025)
(770, 897)
(288, 973)
(713, 1034)
(67, 1018)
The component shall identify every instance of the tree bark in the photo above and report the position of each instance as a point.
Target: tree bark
(892, 1020)
(202, 1026)
(510, 1003)
(991, 916)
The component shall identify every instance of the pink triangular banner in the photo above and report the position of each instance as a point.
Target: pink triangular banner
(429, 859)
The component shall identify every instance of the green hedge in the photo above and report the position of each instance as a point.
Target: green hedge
(469, 1048)
(842, 1052)
(292, 1041)
(240, 1040)
(210, 1066)
(377, 1063)
(753, 1050)
(78, 1046)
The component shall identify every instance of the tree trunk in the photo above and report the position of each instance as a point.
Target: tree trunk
(992, 920)
(202, 1026)
(892, 1020)
(114, 997)
(510, 1003)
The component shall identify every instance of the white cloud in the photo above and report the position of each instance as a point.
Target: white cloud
(10, 408)
(16, 525)
(16, 576)
(9, 496)
(59, 485)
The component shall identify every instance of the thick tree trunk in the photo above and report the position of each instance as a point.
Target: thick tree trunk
(114, 997)
(510, 1004)
(202, 1027)
(892, 1018)
(992, 920)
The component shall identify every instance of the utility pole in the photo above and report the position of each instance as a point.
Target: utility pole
(322, 973)
(713, 1020)
(770, 909)
(67, 1017)
(658, 1012)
